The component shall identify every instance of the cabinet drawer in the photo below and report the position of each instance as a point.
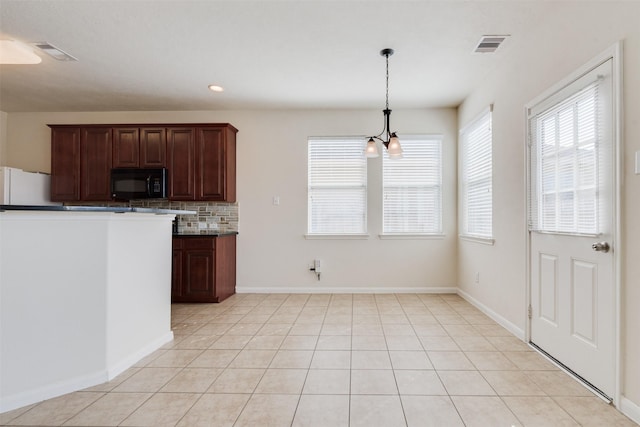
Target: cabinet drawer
(195, 242)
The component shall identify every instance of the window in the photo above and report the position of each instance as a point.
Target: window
(476, 186)
(564, 138)
(337, 186)
(412, 199)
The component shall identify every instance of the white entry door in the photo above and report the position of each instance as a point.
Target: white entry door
(572, 214)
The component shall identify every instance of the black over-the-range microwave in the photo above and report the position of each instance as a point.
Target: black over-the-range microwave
(132, 183)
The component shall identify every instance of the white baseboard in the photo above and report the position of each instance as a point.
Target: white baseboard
(630, 409)
(515, 330)
(115, 369)
(345, 290)
(50, 391)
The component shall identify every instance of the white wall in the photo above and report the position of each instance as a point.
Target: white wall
(272, 154)
(539, 63)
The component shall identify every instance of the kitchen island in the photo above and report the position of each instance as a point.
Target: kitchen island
(84, 294)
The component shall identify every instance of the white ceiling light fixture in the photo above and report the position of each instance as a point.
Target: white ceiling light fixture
(54, 52)
(216, 88)
(388, 138)
(16, 53)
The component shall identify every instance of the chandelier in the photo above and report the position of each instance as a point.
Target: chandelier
(386, 137)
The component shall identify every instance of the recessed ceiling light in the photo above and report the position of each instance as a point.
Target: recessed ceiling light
(54, 52)
(13, 52)
(216, 88)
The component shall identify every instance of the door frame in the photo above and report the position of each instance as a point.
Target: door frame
(614, 53)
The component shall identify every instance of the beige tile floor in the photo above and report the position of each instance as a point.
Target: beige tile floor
(333, 360)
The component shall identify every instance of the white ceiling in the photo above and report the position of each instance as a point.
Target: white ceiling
(161, 55)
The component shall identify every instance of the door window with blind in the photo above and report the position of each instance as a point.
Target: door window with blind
(476, 187)
(337, 186)
(564, 140)
(412, 188)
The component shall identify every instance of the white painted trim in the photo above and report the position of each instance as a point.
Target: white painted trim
(410, 236)
(514, 329)
(113, 370)
(50, 391)
(344, 290)
(527, 234)
(629, 409)
(336, 236)
(618, 152)
(476, 239)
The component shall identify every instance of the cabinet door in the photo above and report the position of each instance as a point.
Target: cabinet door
(65, 164)
(126, 153)
(216, 161)
(198, 279)
(210, 174)
(181, 163)
(153, 147)
(95, 168)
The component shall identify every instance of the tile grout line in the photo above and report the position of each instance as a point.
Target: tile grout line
(244, 407)
(308, 368)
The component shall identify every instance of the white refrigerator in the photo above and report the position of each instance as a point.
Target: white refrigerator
(18, 187)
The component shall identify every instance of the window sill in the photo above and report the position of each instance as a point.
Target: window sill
(336, 236)
(409, 236)
(482, 240)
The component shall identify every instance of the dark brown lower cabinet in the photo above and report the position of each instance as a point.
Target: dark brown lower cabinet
(204, 268)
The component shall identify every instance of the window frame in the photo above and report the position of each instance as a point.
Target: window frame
(360, 142)
(438, 231)
(464, 182)
(567, 96)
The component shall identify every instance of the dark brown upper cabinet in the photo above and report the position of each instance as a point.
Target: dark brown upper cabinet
(80, 163)
(202, 163)
(200, 159)
(142, 147)
(95, 163)
(181, 162)
(65, 164)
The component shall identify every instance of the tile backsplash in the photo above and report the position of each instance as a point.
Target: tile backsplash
(211, 217)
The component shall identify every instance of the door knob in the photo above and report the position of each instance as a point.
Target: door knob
(600, 247)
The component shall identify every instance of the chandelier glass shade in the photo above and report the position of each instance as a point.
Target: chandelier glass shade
(388, 138)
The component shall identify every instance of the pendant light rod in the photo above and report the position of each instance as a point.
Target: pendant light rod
(391, 142)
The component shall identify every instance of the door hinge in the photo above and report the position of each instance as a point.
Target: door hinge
(529, 311)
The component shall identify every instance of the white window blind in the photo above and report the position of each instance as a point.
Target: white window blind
(337, 186)
(565, 164)
(412, 186)
(477, 175)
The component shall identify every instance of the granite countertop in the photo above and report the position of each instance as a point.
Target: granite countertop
(115, 209)
(211, 233)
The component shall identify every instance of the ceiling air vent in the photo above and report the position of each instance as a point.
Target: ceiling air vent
(489, 44)
(54, 52)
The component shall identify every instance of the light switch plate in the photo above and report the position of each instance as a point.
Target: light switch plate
(637, 162)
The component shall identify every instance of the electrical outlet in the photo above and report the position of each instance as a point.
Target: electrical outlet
(477, 277)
